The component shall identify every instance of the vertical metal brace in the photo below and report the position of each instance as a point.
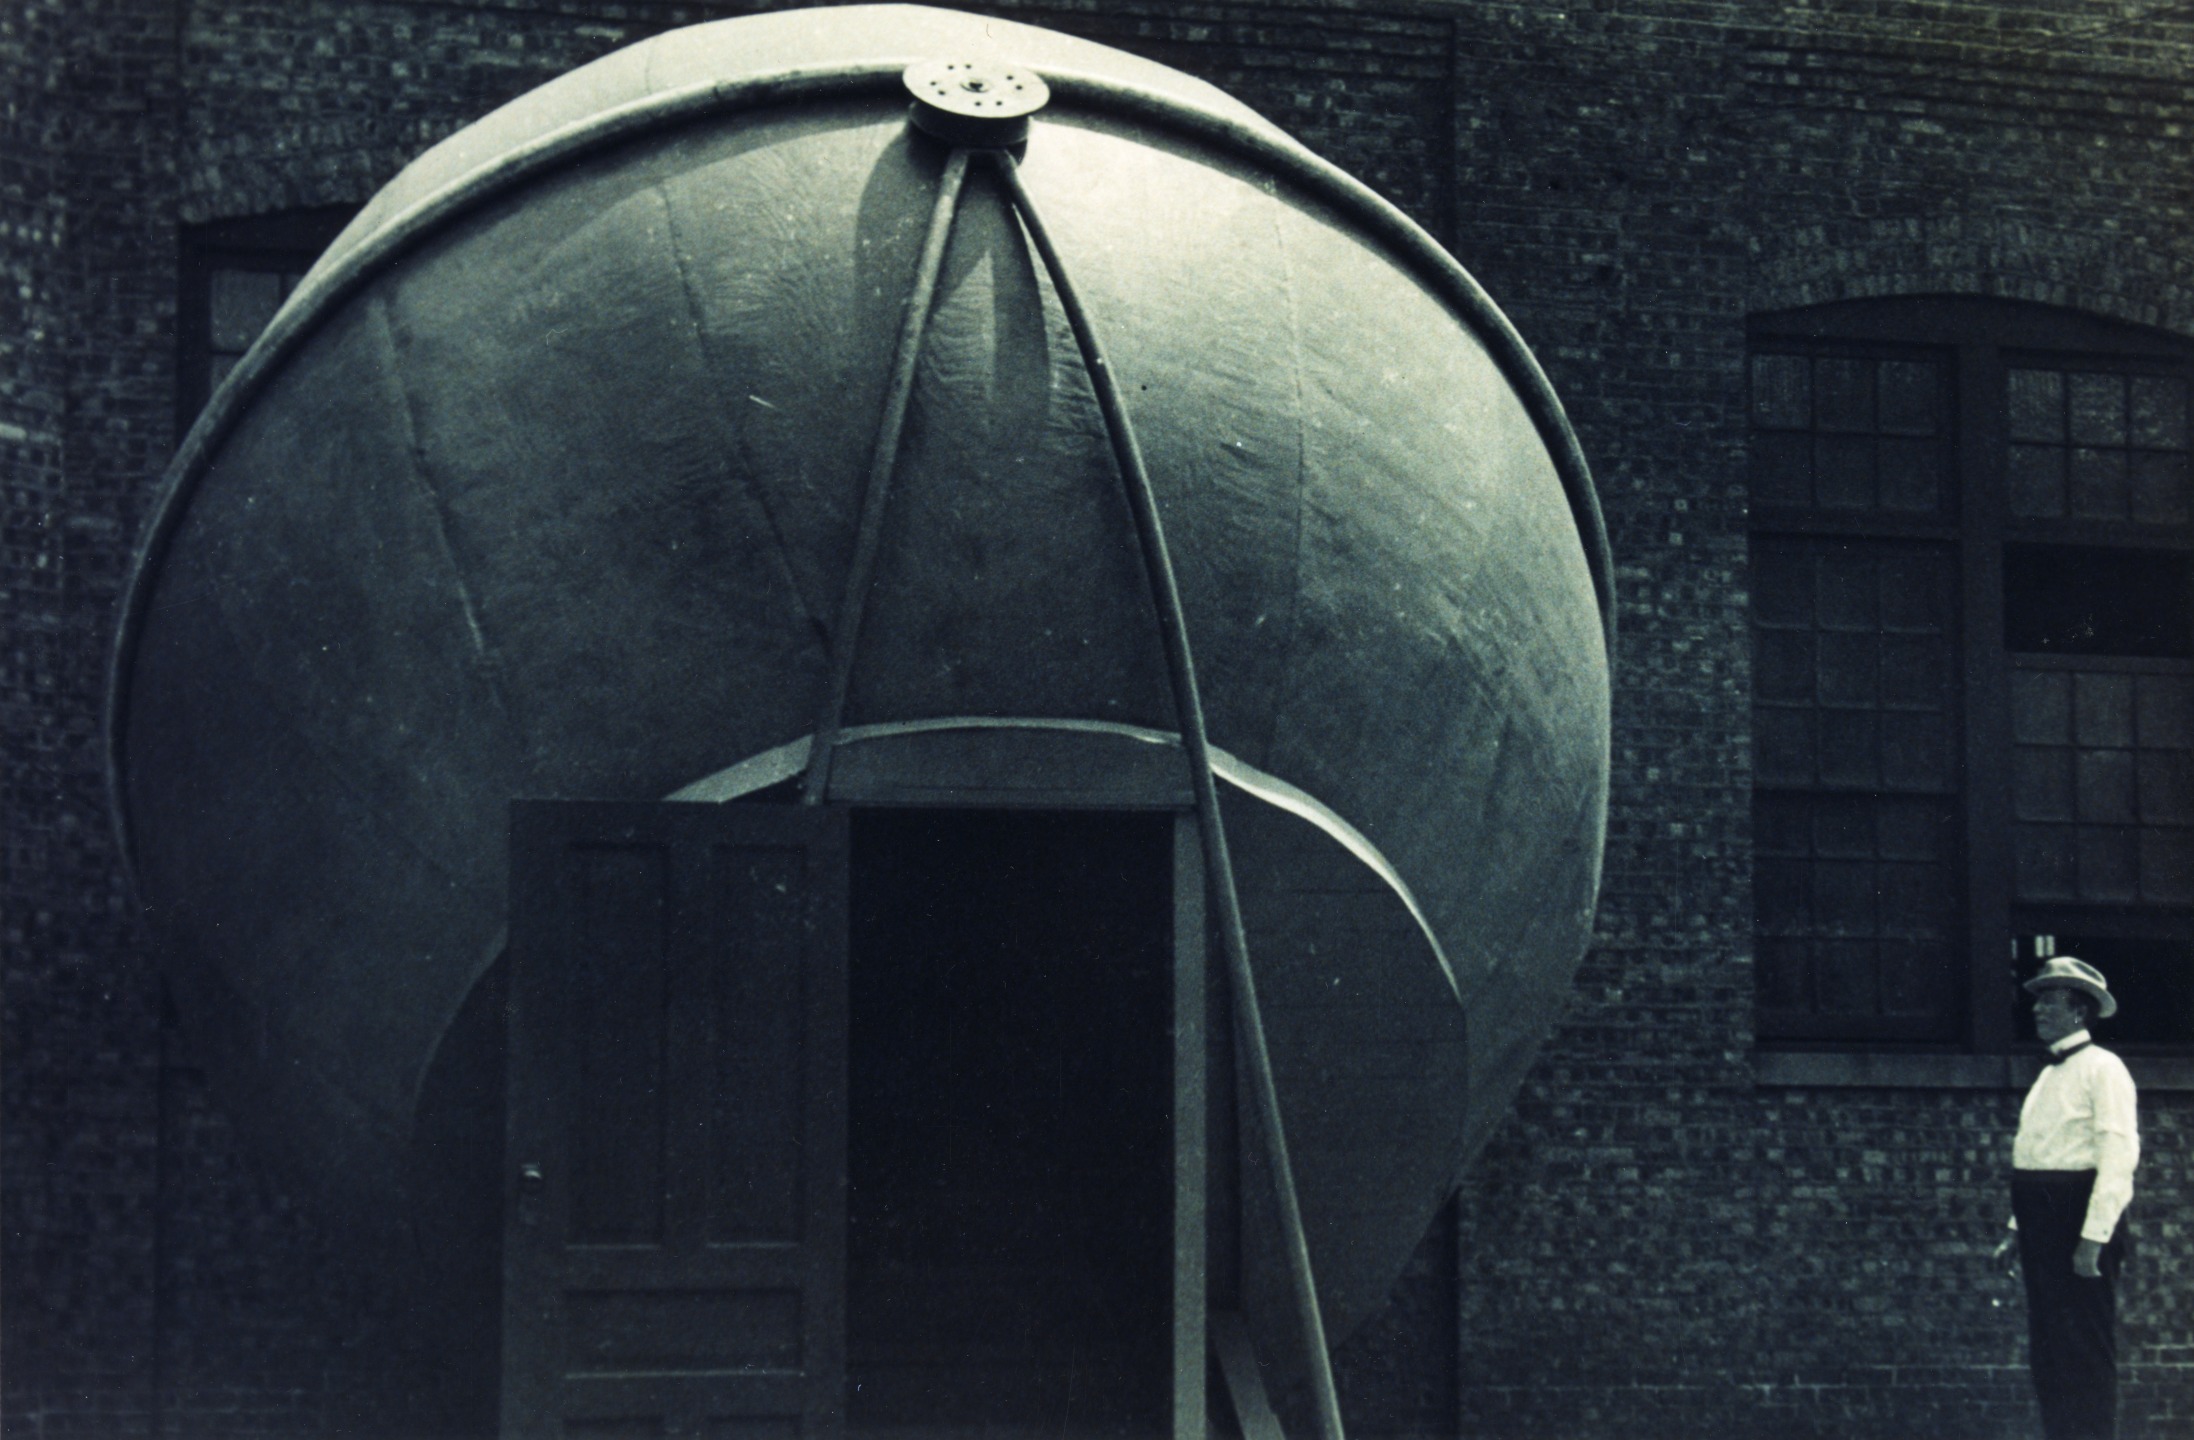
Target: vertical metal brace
(883, 463)
(1188, 703)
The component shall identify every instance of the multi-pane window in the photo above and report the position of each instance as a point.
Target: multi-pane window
(2096, 445)
(2102, 787)
(240, 301)
(1855, 728)
(1850, 434)
(1854, 647)
(1855, 768)
(236, 274)
(1973, 643)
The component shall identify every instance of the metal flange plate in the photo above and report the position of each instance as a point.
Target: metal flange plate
(975, 102)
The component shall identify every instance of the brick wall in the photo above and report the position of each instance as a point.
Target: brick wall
(88, 246)
(1653, 1243)
(293, 107)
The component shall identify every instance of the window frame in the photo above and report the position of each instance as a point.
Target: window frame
(1979, 340)
(284, 243)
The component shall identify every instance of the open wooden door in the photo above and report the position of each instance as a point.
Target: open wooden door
(674, 1258)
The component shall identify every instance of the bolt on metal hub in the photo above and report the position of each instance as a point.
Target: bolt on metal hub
(975, 102)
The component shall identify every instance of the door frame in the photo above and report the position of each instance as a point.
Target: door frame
(1193, 1091)
(992, 763)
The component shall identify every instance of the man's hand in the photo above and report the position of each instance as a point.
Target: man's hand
(2087, 1261)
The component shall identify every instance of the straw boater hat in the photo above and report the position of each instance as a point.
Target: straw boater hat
(2066, 973)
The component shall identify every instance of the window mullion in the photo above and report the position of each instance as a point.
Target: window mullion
(1981, 441)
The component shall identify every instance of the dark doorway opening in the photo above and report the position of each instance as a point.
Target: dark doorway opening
(1010, 1145)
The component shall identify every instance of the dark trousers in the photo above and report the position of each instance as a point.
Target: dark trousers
(2071, 1320)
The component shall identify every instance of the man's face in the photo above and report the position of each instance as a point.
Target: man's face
(2055, 1015)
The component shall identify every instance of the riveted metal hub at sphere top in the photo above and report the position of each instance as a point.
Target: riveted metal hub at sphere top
(975, 102)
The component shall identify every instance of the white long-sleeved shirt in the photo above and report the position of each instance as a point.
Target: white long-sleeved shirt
(2080, 1115)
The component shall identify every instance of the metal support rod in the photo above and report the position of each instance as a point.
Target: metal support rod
(883, 462)
(1173, 630)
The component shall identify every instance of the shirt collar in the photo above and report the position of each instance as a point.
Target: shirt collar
(2076, 1038)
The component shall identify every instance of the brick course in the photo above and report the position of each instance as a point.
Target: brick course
(1653, 1243)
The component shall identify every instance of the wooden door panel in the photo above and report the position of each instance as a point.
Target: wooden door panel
(675, 1244)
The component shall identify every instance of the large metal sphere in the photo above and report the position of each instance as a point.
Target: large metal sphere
(545, 481)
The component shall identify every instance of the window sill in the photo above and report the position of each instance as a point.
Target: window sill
(1859, 1069)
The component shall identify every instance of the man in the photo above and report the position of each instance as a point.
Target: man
(2072, 1174)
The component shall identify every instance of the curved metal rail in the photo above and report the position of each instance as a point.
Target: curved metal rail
(1189, 710)
(883, 463)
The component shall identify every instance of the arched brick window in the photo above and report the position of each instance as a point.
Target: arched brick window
(1973, 641)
